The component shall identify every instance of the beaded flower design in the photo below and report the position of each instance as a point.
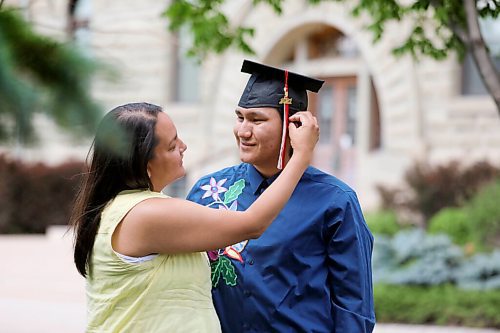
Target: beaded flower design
(220, 264)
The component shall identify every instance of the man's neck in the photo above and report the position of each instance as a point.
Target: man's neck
(267, 172)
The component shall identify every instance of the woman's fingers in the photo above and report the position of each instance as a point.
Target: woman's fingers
(306, 135)
(304, 117)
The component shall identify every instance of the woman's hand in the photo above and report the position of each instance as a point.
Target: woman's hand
(303, 138)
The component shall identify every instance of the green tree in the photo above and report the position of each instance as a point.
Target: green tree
(41, 75)
(456, 21)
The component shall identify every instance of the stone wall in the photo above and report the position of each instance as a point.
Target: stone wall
(423, 114)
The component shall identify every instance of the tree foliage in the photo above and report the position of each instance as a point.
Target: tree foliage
(212, 32)
(39, 74)
(439, 27)
(210, 27)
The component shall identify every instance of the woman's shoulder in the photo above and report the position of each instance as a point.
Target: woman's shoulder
(139, 193)
(126, 200)
(136, 196)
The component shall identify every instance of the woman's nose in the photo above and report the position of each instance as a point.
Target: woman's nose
(184, 147)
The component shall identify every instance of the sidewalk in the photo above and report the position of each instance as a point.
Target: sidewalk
(397, 328)
(41, 291)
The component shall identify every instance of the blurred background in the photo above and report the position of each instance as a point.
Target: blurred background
(409, 117)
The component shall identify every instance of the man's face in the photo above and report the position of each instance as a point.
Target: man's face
(258, 135)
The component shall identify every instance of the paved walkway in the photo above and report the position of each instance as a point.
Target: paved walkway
(396, 328)
(41, 291)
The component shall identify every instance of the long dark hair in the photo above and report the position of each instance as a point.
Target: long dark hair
(122, 147)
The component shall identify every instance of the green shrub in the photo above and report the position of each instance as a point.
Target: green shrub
(34, 196)
(382, 222)
(414, 257)
(484, 214)
(455, 223)
(480, 272)
(439, 305)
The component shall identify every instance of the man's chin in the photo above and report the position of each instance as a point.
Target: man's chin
(246, 158)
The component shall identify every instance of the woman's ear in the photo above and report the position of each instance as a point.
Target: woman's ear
(149, 176)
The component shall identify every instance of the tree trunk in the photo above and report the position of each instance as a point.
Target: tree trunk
(480, 53)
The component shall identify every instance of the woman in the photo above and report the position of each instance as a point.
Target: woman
(142, 252)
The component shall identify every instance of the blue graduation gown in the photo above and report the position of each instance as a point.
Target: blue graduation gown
(311, 269)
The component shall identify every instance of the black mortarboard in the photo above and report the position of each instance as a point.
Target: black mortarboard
(273, 87)
(265, 87)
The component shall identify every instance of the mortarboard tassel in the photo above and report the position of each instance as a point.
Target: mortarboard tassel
(286, 106)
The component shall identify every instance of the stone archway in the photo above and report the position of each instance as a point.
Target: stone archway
(395, 80)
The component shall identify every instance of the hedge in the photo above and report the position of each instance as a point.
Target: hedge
(383, 222)
(34, 196)
(437, 305)
(455, 223)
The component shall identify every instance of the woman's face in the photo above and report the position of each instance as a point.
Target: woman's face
(166, 164)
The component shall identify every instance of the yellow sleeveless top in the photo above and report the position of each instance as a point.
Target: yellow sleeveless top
(170, 293)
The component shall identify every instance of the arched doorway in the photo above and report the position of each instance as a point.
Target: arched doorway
(347, 105)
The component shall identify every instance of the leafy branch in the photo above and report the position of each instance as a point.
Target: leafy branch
(39, 74)
(440, 27)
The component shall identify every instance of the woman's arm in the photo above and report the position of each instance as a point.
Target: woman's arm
(160, 225)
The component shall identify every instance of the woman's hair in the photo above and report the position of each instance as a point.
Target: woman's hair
(119, 156)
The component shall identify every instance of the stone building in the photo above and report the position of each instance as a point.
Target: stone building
(378, 114)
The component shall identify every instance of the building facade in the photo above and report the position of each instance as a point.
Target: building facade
(378, 114)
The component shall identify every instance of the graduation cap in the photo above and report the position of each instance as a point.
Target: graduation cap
(277, 88)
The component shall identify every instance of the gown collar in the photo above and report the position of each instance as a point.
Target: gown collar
(255, 178)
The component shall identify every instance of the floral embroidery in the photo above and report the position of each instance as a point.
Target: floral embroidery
(213, 255)
(232, 253)
(214, 188)
(221, 266)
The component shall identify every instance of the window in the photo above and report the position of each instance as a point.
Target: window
(79, 12)
(472, 83)
(326, 110)
(330, 42)
(336, 109)
(374, 137)
(314, 43)
(351, 113)
(186, 71)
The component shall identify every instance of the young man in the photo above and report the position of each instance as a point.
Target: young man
(311, 269)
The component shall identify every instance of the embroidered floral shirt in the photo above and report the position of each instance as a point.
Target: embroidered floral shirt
(311, 269)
